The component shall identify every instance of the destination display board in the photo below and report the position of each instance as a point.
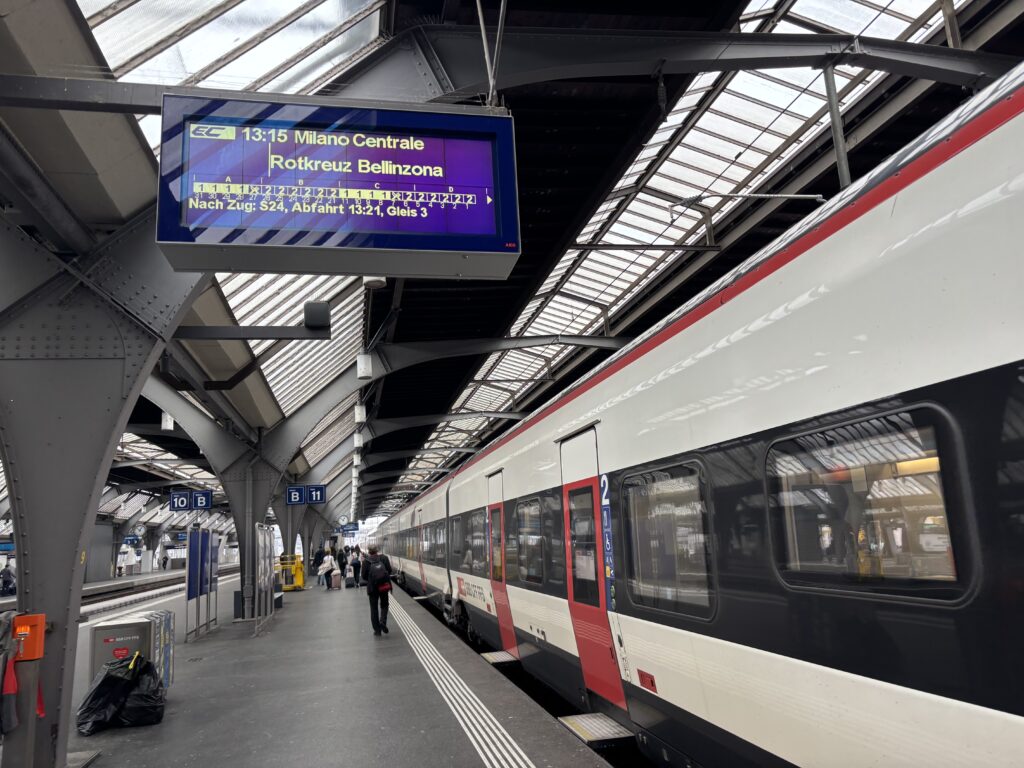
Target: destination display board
(354, 189)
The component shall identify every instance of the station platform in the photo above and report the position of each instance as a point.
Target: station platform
(317, 688)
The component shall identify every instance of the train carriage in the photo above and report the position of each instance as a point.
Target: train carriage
(786, 526)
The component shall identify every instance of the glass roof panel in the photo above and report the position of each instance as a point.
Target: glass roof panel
(208, 43)
(301, 368)
(750, 129)
(307, 32)
(148, 22)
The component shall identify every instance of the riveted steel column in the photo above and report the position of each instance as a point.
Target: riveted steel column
(73, 358)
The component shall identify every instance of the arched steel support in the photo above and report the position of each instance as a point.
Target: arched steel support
(76, 344)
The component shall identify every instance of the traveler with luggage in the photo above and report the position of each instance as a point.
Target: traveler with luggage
(327, 569)
(377, 572)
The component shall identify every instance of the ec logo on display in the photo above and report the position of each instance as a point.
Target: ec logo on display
(222, 132)
(295, 494)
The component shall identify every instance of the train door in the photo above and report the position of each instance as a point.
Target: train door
(496, 542)
(587, 598)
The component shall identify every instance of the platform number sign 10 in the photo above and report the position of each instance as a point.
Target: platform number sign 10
(181, 501)
(316, 494)
(295, 494)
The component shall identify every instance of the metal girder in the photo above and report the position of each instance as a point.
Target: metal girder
(32, 192)
(539, 55)
(252, 332)
(443, 63)
(397, 356)
(197, 462)
(379, 458)
(367, 477)
(381, 427)
(26, 267)
(64, 402)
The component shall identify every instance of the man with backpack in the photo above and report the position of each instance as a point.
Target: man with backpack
(377, 572)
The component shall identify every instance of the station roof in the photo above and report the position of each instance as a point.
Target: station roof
(603, 162)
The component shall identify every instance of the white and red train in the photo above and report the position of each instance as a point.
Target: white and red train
(786, 526)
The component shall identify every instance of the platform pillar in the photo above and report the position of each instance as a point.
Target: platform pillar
(74, 354)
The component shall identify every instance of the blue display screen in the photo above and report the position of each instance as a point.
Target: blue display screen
(239, 172)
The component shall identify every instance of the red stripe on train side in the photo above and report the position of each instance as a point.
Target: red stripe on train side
(968, 134)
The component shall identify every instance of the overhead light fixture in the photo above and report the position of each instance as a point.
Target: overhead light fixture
(359, 413)
(166, 422)
(373, 282)
(364, 367)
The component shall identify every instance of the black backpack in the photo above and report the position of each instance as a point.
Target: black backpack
(378, 572)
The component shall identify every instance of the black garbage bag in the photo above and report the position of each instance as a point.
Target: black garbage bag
(107, 695)
(145, 703)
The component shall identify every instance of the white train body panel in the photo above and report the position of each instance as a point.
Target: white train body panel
(923, 288)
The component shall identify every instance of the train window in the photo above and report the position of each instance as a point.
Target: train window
(583, 534)
(531, 541)
(496, 544)
(440, 544)
(554, 538)
(478, 543)
(540, 550)
(863, 502)
(668, 538)
(427, 542)
(511, 547)
(458, 540)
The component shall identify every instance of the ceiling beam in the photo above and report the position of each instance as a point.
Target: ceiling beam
(542, 55)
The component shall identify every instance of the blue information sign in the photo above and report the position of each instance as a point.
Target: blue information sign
(609, 551)
(350, 528)
(250, 185)
(295, 494)
(202, 499)
(181, 501)
(316, 494)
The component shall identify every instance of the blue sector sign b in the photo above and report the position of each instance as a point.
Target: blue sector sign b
(295, 494)
(202, 499)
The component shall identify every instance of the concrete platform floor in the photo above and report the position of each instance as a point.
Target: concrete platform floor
(317, 689)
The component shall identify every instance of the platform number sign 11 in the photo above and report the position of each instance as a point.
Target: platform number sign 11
(295, 494)
(181, 501)
(316, 494)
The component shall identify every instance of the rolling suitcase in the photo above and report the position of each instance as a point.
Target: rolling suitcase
(350, 577)
(336, 579)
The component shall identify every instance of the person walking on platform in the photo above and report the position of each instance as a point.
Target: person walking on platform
(327, 569)
(354, 562)
(318, 560)
(377, 572)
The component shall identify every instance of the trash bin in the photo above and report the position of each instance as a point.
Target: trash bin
(148, 632)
